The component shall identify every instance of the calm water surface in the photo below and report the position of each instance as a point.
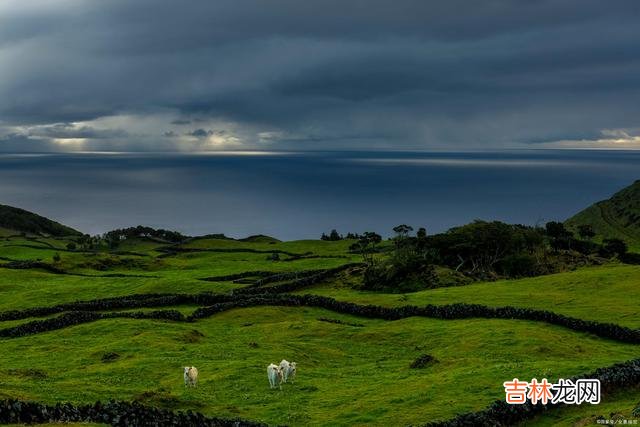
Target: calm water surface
(300, 195)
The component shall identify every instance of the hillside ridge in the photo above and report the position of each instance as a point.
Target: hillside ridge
(21, 220)
(616, 217)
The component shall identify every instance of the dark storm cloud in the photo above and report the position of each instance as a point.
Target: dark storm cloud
(346, 74)
(68, 130)
(200, 133)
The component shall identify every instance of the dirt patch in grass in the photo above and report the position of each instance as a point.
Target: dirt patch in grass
(194, 336)
(34, 374)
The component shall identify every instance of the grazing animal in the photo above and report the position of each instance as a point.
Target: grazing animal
(274, 373)
(288, 370)
(190, 376)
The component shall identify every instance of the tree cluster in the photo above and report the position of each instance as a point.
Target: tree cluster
(479, 250)
(335, 236)
(114, 237)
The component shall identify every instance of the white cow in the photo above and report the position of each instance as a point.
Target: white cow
(190, 376)
(274, 373)
(288, 370)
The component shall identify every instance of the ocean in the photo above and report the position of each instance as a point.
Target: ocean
(298, 195)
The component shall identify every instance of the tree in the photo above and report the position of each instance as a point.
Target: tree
(113, 240)
(71, 246)
(585, 231)
(615, 247)
(85, 241)
(407, 269)
(556, 229)
(334, 235)
(402, 230)
(422, 233)
(366, 246)
(559, 235)
(477, 247)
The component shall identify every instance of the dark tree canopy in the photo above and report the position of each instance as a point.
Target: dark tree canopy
(115, 236)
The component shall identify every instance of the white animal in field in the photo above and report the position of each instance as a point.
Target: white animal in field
(274, 373)
(288, 370)
(190, 376)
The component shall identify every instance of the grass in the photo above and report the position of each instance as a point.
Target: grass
(617, 217)
(605, 293)
(342, 369)
(618, 406)
(350, 373)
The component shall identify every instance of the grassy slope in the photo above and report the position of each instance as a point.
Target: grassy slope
(606, 294)
(342, 368)
(24, 221)
(617, 217)
(617, 406)
(361, 361)
(179, 273)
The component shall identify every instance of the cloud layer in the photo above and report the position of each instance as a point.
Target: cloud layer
(199, 75)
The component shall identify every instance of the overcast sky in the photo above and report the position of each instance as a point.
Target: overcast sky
(157, 75)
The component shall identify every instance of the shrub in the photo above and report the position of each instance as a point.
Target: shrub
(275, 256)
(423, 361)
(519, 265)
(408, 275)
(614, 247)
(109, 357)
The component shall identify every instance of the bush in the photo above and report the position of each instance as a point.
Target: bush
(423, 361)
(614, 247)
(109, 357)
(519, 265)
(478, 248)
(630, 258)
(399, 277)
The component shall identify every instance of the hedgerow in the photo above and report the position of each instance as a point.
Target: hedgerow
(301, 279)
(451, 311)
(174, 250)
(115, 413)
(500, 413)
(116, 303)
(215, 303)
(78, 317)
(236, 276)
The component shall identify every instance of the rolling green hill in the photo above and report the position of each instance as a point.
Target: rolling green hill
(24, 221)
(617, 217)
(220, 304)
(371, 381)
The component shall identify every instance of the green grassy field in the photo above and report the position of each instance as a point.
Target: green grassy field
(352, 370)
(607, 293)
(616, 217)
